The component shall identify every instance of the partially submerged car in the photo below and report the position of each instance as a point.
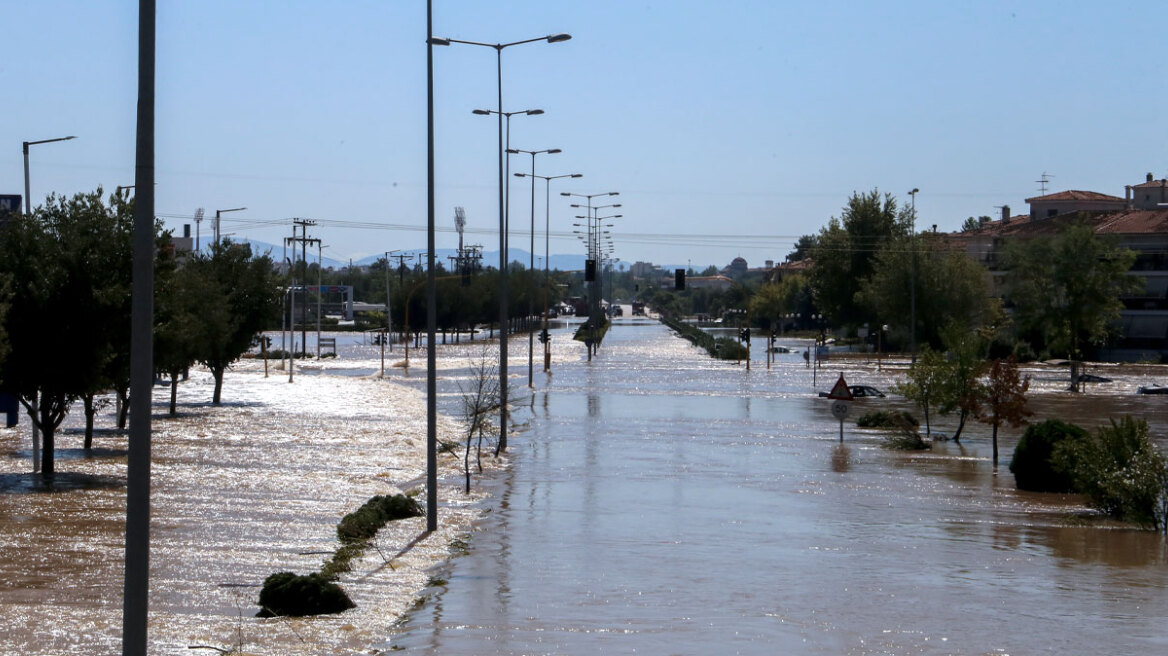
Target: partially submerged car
(860, 391)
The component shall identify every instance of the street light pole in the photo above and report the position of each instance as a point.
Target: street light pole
(531, 256)
(499, 47)
(218, 213)
(547, 212)
(432, 293)
(27, 193)
(913, 275)
(36, 437)
(593, 247)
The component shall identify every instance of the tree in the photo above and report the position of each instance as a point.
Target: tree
(62, 263)
(180, 296)
(971, 224)
(1120, 471)
(951, 288)
(480, 400)
(1066, 289)
(5, 296)
(241, 297)
(846, 249)
(965, 363)
(927, 379)
(1002, 398)
(803, 248)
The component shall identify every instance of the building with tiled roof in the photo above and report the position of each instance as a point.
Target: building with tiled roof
(1148, 195)
(1138, 222)
(1071, 201)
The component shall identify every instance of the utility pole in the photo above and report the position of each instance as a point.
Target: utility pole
(304, 240)
(388, 315)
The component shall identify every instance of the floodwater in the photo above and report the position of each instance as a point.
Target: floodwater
(239, 492)
(660, 502)
(654, 501)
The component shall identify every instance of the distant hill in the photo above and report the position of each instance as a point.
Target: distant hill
(561, 262)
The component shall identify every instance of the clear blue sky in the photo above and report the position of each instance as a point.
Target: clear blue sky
(729, 128)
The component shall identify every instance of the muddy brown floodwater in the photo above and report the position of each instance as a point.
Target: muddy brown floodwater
(664, 503)
(239, 492)
(656, 501)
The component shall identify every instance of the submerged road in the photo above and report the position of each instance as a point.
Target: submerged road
(661, 502)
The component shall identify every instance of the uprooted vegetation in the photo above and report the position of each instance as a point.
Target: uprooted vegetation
(287, 593)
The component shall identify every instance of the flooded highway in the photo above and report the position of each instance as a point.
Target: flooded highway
(662, 502)
(654, 501)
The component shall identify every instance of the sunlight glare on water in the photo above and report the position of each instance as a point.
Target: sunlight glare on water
(664, 502)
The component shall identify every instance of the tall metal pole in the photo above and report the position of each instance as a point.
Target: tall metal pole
(137, 580)
(36, 437)
(547, 240)
(913, 275)
(531, 272)
(319, 291)
(388, 310)
(502, 268)
(431, 311)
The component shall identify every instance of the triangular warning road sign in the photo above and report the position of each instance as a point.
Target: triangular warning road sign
(840, 392)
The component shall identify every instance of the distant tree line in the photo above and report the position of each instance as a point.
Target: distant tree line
(870, 268)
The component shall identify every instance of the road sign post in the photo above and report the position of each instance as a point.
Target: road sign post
(841, 397)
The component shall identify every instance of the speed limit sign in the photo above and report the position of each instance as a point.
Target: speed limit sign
(839, 409)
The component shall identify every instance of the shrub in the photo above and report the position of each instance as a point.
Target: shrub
(1032, 465)
(1120, 471)
(907, 440)
(887, 419)
(286, 593)
(363, 523)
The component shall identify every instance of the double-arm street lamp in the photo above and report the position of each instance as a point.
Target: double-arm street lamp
(507, 165)
(547, 354)
(499, 47)
(531, 252)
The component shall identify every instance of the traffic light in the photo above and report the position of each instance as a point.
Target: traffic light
(589, 270)
(544, 337)
(679, 279)
(744, 335)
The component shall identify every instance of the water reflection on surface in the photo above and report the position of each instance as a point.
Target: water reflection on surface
(661, 502)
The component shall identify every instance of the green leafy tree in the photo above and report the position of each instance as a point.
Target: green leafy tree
(803, 248)
(926, 384)
(5, 297)
(845, 253)
(964, 365)
(1066, 289)
(180, 298)
(971, 224)
(1001, 399)
(1120, 471)
(951, 288)
(241, 298)
(62, 263)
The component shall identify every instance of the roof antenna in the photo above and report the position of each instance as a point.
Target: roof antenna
(1045, 179)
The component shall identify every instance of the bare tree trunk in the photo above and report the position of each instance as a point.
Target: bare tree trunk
(87, 402)
(48, 442)
(960, 426)
(218, 374)
(173, 393)
(124, 399)
(995, 444)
